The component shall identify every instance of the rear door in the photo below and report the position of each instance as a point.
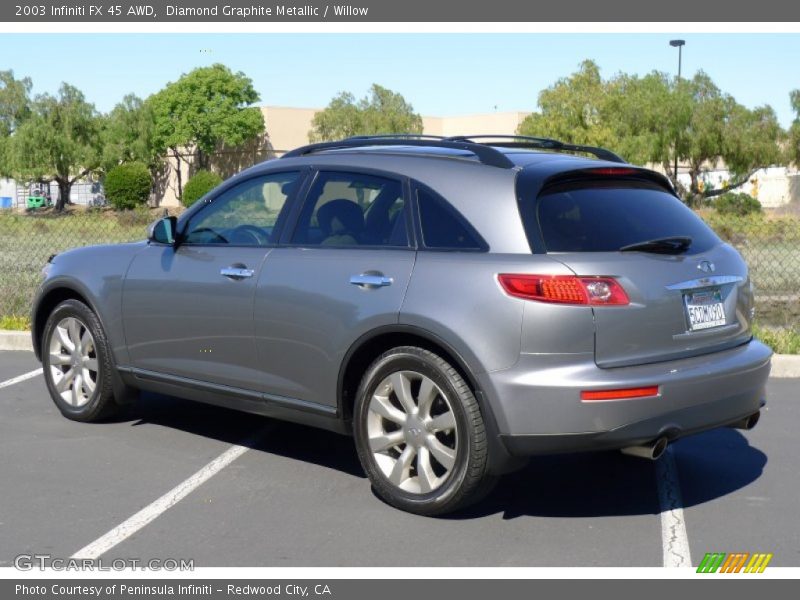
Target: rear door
(685, 300)
(341, 271)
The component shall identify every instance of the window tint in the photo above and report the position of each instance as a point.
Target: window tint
(351, 209)
(245, 215)
(604, 218)
(443, 227)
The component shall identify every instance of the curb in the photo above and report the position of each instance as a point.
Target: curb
(783, 365)
(15, 340)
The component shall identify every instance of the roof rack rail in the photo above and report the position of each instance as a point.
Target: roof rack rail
(397, 136)
(525, 141)
(484, 153)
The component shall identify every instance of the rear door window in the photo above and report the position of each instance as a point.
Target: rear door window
(353, 210)
(605, 216)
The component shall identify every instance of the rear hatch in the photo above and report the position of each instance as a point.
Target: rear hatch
(688, 292)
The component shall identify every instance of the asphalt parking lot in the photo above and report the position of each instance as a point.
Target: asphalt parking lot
(297, 496)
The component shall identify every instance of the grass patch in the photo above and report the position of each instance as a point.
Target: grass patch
(781, 340)
(15, 323)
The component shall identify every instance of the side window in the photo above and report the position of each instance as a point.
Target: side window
(244, 215)
(352, 209)
(443, 227)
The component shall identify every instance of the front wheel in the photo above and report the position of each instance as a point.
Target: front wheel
(77, 363)
(420, 434)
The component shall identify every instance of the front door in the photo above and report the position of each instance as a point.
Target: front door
(188, 311)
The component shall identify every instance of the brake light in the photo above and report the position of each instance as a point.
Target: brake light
(622, 394)
(611, 171)
(565, 289)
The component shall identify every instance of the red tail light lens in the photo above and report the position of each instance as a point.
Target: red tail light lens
(623, 394)
(565, 289)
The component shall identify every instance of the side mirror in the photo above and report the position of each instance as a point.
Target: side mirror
(163, 231)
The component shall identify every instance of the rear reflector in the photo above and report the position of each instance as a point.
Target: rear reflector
(623, 394)
(564, 289)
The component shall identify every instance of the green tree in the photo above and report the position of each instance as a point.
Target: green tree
(128, 135)
(574, 109)
(202, 110)
(794, 130)
(649, 119)
(380, 111)
(15, 107)
(59, 141)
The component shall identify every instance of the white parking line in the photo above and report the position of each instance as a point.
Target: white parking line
(24, 377)
(152, 511)
(674, 540)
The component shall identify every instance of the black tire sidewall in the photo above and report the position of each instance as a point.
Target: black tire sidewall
(100, 396)
(405, 360)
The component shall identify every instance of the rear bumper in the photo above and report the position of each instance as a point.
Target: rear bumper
(538, 408)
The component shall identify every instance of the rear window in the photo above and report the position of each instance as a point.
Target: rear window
(604, 217)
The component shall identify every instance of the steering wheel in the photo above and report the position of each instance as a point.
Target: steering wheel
(255, 234)
(216, 239)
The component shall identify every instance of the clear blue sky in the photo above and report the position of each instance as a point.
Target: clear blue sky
(440, 74)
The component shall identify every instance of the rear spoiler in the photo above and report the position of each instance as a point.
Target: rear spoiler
(609, 173)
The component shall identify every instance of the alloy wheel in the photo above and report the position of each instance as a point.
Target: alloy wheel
(73, 362)
(412, 432)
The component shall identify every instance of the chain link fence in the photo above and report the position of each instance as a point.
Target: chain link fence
(770, 243)
(28, 239)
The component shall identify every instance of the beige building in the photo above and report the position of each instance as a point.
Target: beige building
(288, 127)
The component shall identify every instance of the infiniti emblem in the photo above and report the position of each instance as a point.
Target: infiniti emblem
(706, 266)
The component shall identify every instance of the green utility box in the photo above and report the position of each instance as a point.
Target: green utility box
(36, 202)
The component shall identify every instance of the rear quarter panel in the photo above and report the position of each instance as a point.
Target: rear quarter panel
(456, 295)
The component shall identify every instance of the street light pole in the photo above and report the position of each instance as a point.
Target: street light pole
(679, 44)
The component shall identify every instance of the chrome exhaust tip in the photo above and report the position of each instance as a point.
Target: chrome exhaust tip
(748, 422)
(652, 450)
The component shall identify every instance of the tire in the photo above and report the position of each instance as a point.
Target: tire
(87, 395)
(425, 449)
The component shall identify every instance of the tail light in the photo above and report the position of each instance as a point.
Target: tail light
(565, 289)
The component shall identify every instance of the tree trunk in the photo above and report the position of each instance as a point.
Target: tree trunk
(202, 159)
(178, 172)
(732, 186)
(64, 188)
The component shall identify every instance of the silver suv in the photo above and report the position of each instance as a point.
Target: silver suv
(456, 304)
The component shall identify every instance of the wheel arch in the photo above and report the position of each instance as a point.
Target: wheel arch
(374, 343)
(47, 303)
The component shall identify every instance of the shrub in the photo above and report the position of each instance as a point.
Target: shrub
(198, 186)
(128, 186)
(737, 204)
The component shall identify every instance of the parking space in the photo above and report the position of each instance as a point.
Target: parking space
(299, 498)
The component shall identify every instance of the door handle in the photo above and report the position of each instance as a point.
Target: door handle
(371, 280)
(237, 272)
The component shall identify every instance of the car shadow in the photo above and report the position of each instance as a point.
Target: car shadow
(290, 440)
(710, 465)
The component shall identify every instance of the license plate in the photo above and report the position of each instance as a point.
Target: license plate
(704, 309)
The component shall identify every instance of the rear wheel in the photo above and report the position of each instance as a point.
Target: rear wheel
(77, 363)
(420, 434)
